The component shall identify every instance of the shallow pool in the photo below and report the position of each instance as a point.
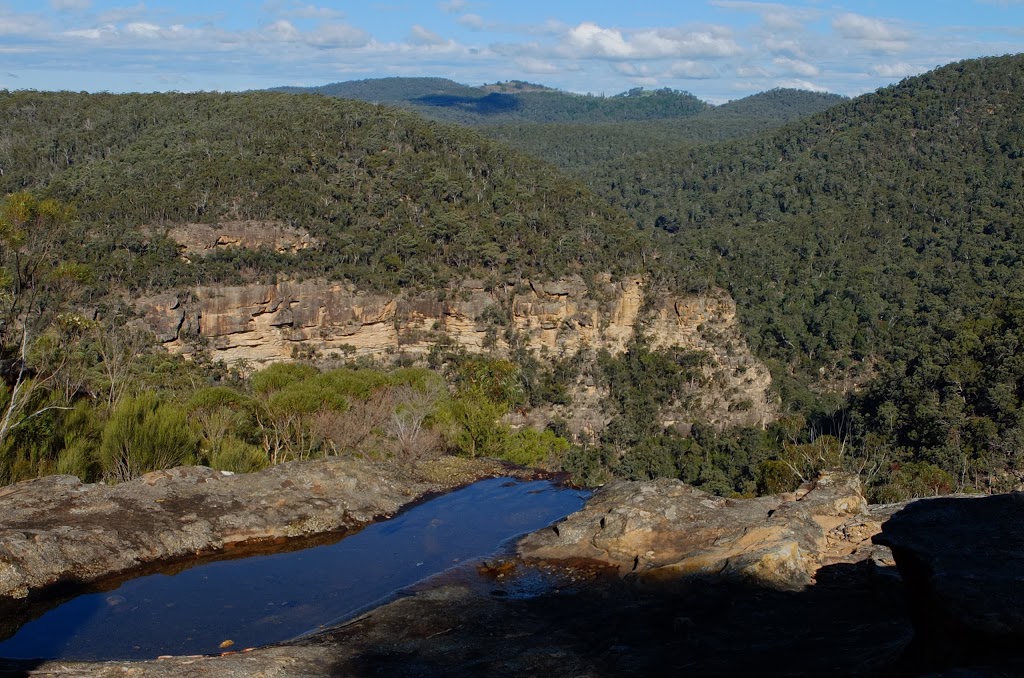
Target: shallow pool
(272, 598)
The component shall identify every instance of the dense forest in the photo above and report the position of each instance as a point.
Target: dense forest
(394, 200)
(448, 101)
(874, 250)
(873, 247)
(580, 132)
(583, 146)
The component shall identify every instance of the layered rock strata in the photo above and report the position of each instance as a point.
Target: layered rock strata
(665, 530)
(261, 324)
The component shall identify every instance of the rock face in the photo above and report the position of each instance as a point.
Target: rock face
(202, 239)
(963, 563)
(664, 530)
(260, 324)
(56, 529)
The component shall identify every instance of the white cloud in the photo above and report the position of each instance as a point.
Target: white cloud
(692, 70)
(472, 21)
(337, 35)
(142, 29)
(71, 5)
(116, 15)
(453, 6)
(418, 35)
(774, 15)
(536, 66)
(752, 71)
(797, 67)
(802, 84)
(789, 47)
(875, 34)
(895, 70)
(588, 40)
(301, 11)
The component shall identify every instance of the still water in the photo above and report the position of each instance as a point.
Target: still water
(268, 599)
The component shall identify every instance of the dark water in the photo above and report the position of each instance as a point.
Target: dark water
(267, 599)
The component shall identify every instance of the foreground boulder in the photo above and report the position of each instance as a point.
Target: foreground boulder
(962, 561)
(665, 530)
(57, 529)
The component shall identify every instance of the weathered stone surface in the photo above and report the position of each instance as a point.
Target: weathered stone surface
(664, 530)
(962, 559)
(57, 529)
(202, 239)
(261, 324)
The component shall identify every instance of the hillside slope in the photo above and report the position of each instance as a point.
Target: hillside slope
(448, 101)
(389, 198)
(580, 147)
(882, 236)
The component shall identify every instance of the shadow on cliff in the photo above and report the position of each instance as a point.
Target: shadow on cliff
(851, 623)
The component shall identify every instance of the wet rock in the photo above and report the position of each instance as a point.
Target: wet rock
(57, 529)
(665, 530)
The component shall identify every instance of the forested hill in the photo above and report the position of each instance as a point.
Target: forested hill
(579, 147)
(882, 236)
(391, 199)
(445, 100)
(389, 90)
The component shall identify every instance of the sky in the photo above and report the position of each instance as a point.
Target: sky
(718, 50)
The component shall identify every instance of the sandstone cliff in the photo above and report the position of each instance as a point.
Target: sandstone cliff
(260, 324)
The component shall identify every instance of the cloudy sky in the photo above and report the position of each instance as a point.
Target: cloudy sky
(716, 49)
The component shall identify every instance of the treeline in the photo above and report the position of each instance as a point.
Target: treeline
(448, 101)
(586, 146)
(394, 200)
(874, 249)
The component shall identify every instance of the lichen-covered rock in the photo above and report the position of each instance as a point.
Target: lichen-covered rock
(665, 530)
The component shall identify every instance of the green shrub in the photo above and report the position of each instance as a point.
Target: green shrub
(237, 456)
(280, 375)
(529, 447)
(144, 434)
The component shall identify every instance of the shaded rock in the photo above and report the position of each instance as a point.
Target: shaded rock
(962, 561)
(665, 530)
(579, 622)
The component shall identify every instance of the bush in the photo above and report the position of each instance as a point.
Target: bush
(144, 434)
(529, 447)
(237, 456)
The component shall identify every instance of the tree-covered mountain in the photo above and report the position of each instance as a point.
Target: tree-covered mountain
(577, 132)
(579, 147)
(393, 200)
(877, 243)
(395, 91)
(514, 101)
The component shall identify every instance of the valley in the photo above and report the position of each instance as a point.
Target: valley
(766, 333)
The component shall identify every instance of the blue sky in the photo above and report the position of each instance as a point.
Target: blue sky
(716, 49)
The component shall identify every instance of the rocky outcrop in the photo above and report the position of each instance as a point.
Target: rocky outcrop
(202, 239)
(57, 529)
(962, 561)
(575, 618)
(664, 530)
(260, 324)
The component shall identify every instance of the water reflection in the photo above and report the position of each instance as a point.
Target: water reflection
(265, 599)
